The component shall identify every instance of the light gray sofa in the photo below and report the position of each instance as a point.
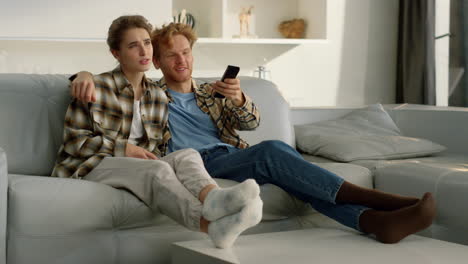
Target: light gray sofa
(53, 220)
(444, 174)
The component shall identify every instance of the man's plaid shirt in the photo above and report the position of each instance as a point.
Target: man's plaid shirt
(225, 115)
(101, 129)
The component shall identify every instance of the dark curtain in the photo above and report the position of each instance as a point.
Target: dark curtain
(416, 52)
(458, 51)
(464, 38)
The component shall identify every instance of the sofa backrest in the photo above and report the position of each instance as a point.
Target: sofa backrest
(32, 109)
(444, 125)
(275, 120)
(447, 126)
(33, 106)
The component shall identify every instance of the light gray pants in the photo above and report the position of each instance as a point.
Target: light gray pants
(171, 184)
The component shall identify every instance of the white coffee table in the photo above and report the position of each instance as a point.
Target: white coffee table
(320, 245)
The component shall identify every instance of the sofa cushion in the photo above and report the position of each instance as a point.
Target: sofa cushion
(446, 177)
(110, 225)
(357, 174)
(352, 173)
(440, 158)
(316, 159)
(46, 205)
(49, 205)
(367, 133)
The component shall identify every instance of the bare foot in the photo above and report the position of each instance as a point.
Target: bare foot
(391, 227)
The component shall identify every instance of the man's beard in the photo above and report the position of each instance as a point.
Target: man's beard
(178, 78)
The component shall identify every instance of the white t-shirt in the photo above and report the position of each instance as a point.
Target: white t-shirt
(136, 130)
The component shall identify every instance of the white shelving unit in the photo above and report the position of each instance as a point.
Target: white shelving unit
(259, 41)
(217, 20)
(200, 40)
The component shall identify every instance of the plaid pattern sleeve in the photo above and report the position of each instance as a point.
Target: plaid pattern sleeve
(245, 117)
(101, 129)
(82, 148)
(226, 116)
(79, 138)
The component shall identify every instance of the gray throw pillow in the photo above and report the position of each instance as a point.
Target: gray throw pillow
(367, 133)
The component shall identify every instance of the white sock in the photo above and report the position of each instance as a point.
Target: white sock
(226, 201)
(223, 232)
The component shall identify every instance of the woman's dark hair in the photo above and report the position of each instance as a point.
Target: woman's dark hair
(122, 24)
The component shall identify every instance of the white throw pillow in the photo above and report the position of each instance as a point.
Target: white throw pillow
(367, 133)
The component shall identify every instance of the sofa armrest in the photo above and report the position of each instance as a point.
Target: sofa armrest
(3, 205)
(63, 207)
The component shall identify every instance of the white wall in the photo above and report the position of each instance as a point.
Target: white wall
(358, 64)
(81, 21)
(71, 18)
(442, 45)
(355, 66)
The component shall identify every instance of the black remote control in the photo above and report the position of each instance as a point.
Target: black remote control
(230, 73)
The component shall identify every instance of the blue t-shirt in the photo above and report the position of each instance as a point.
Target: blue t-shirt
(190, 127)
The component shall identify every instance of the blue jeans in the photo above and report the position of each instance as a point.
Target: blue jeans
(278, 163)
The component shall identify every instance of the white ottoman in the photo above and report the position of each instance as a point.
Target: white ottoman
(320, 245)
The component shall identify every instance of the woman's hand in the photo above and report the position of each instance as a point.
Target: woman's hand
(133, 151)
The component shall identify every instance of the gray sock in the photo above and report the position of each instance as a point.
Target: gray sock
(226, 201)
(224, 231)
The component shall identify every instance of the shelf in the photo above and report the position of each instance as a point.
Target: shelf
(261, 41)
(274, 41)
(219, 19)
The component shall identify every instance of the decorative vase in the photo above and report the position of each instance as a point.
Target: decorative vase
(184, 18)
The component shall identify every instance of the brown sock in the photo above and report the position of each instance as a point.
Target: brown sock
(351, 193)
(391, 227)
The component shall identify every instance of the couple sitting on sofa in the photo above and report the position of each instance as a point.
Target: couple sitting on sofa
(164, 141)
